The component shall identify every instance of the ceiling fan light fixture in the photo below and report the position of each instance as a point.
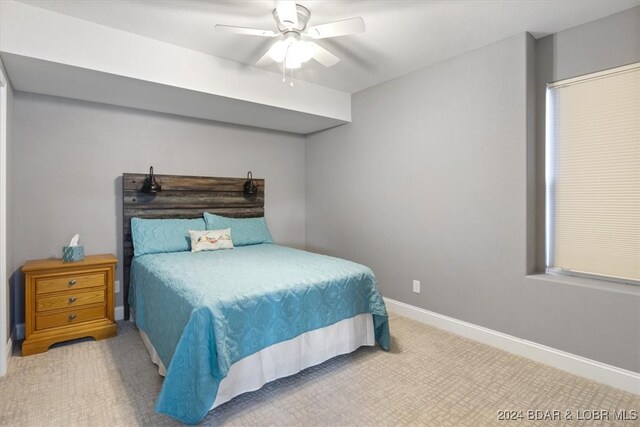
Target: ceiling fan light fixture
(292, 63)
(293, 52)
(302, 51)
(278, 51)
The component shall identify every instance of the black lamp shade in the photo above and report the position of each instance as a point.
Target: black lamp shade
(150, 184)
(250, 187)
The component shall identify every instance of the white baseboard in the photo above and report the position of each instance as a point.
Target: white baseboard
(119, 313)
(601, 372)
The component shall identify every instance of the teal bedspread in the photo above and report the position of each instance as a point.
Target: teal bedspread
(205, 311)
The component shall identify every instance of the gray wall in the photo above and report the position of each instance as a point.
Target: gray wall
(433, 181)
(72, 153)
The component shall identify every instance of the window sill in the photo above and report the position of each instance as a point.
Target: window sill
(601, 285)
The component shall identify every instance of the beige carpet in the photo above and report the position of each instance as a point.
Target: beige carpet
(430, 377)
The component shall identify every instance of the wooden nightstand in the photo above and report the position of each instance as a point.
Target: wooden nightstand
(68, 300)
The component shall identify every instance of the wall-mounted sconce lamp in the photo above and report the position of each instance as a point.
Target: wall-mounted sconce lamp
(250, 187)
(150, 184)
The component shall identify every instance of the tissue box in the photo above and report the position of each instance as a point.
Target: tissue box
(72, 253)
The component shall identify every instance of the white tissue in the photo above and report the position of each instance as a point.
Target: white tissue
(74, 240)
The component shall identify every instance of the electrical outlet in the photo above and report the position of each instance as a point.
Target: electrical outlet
(116, 286)
(416, 286)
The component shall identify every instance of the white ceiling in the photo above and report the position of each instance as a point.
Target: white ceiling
(401, 36)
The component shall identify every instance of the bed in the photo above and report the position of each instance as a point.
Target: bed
(221, 323)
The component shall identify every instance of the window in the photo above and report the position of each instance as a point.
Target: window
(593, 175)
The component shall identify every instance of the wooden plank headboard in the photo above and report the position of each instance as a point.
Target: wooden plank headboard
(182, 197)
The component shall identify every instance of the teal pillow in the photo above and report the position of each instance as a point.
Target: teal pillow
(244, 231)
(153, 236)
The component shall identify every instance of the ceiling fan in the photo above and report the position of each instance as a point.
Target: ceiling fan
(293, 48)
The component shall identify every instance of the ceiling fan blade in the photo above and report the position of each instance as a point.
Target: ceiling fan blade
(265, 60)
(287, 13)
(245, 31)
(323, 56)
(336, 29)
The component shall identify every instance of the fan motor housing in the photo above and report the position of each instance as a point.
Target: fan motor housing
(303, 19)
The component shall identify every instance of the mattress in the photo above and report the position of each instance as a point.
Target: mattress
(204, 312)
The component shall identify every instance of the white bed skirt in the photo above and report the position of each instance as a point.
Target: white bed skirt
(287, 357)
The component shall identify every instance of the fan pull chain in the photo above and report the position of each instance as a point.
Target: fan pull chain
(291, 81)
(284, 61)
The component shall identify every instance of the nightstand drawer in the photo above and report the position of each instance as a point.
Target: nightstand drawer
(72, 281)
(69, 317)
(70, 299)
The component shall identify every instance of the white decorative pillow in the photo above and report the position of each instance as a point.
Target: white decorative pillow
(210, 240)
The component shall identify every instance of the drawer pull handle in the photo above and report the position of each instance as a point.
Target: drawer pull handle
(72, 282)
(72, 299)
(72, 316)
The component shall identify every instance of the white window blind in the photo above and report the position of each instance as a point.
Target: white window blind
(593, 175)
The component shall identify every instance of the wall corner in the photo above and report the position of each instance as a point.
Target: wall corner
(533, 260)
